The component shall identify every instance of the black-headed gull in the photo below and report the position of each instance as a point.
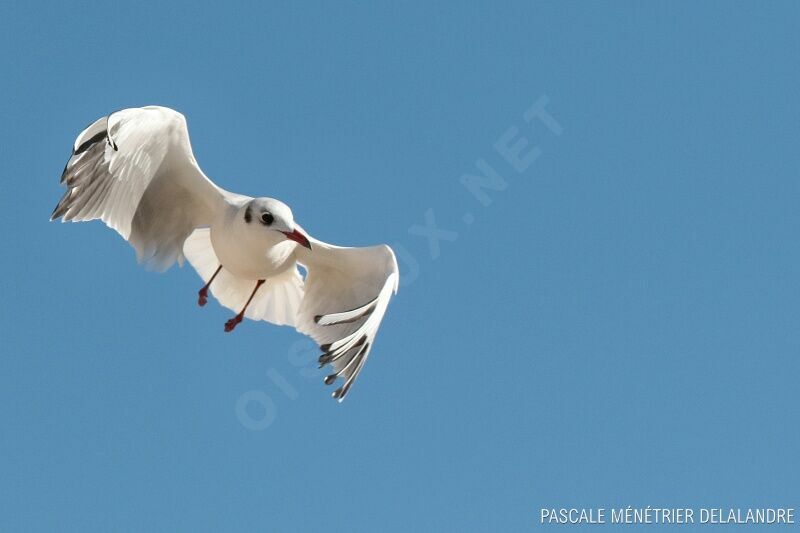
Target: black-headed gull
(135, 170)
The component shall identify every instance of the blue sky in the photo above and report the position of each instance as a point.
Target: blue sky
(617, 327)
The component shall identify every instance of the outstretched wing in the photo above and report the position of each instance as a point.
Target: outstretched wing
(135, 170)
(347, 291)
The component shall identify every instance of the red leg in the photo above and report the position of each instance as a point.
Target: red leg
(230, 324)
(203, 294)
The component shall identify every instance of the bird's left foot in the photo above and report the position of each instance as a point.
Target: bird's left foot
(232, 323)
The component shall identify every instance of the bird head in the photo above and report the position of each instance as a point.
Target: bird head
(269, 214)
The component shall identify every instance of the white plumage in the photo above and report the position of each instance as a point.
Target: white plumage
(135, 170)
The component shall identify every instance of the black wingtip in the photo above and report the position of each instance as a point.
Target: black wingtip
(330, 379)
(89, 142)
(317, 319)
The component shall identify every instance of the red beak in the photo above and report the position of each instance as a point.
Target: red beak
(297, 237)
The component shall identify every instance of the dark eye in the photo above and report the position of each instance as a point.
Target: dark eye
(267, 218)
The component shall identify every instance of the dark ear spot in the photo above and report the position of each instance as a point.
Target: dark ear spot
(247, 215)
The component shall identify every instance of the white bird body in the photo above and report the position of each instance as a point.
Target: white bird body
(135, 170)
(249, 254)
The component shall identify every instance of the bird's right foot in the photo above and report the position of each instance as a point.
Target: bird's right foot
(232, 323)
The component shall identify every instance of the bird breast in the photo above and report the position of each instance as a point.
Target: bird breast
(253, 255)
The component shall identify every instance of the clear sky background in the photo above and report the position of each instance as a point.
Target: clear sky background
(618, 327)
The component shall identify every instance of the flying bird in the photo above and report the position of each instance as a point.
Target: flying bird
(134, 170)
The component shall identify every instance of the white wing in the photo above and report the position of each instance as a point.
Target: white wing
(135, 170)
(347, 291)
